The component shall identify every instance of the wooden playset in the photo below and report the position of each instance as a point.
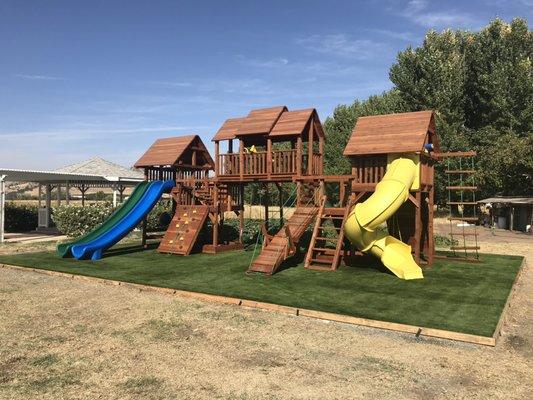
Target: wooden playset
(383, 207)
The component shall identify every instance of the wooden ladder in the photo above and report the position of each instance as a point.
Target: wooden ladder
(183, 230)
(283, 244)
(328, 231)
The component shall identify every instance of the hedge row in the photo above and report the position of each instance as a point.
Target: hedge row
(20, 217)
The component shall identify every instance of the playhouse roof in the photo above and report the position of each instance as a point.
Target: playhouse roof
(229, 129)
(295, 122)
(392, 133)
(260, 121)
(174, 150)
(274, 122)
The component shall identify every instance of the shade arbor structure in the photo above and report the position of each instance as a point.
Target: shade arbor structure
(63, 182)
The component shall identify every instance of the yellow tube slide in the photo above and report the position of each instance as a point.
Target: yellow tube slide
(391, 192)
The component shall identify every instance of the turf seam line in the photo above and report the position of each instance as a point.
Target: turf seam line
(347, 319)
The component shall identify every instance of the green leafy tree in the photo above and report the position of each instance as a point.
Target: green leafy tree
(481, 86)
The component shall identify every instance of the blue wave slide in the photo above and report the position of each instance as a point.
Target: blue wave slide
(96, 247)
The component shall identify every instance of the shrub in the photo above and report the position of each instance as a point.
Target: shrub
(76, 220)
(20, 218)
(445, 241)
(159, 218)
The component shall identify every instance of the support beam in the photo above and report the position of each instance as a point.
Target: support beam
(67, 193)
(114, 197)
(58, 194)
(48, 204)
(40, 195)
(266, 200)
(280, 201)
(217, 158)
(2, 207)
(310, 149)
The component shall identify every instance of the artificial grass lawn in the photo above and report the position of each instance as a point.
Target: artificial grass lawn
(454, 296)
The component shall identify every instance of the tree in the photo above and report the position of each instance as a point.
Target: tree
(481, 86)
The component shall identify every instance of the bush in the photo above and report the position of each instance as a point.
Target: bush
(229, 231)
(76, 221)
(20, 218)
(159, 218)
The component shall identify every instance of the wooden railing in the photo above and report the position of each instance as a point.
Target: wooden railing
(284, 162)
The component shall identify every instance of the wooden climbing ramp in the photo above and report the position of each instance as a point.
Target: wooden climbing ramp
(283, 244)
(184, 229)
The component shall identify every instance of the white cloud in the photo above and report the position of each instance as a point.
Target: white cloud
(342, 45)
(259, 63)
(81, 134)
(38, 77)
(420, 12)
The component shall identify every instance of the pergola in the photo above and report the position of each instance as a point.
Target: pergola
(58, 180)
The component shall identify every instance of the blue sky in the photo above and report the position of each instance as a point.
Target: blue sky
(106, 78)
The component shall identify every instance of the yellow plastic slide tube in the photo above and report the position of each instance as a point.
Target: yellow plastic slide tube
(391, 192)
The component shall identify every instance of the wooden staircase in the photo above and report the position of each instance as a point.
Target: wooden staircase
(283, 244)
(326, 245)
(184, 229)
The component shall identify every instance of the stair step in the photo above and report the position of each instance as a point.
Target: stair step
(328, 251)
(327, 238)
(322, 261)
(319, 267)
(334, 211)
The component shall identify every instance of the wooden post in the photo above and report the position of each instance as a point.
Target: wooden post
(241, 158)
(310, 149)
(144, 224)
(67, 193)
(2, 207)
(269, 157)
(431, 239)
(418, 226)
(58, 195)
(299, 151)
(40, 194)
(265, 202)
(217, 158)
(321, 151)
(241, 214)
(280, 200)
(48, 204)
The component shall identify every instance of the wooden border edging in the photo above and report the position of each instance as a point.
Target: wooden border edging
(507, 305)
(392, 326)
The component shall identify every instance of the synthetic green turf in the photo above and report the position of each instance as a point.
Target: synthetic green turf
(461, 297)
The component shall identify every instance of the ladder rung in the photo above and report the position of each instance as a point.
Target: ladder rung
(460, 171)
(321, 261)
(461, 187)
(320, 267)
(326, 238)
(330, 228)
(465, 247)
(463, 218)
(468, 203)
(463, 234)
(326, 250)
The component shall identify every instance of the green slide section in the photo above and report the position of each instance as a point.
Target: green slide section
(63, 249)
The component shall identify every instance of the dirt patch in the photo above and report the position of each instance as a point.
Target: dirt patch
(62, 338)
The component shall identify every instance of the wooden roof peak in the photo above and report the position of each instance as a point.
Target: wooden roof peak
(274, 122)
(392, 133)
(261, 121)
(172, 151)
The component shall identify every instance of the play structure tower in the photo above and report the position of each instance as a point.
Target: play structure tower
(186, 161)
(275, 145)
(393, 182)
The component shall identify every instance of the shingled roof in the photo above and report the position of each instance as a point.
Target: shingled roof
(274, 122)
(174, 150)
(392, 133)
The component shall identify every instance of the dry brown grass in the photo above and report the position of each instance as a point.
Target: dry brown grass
(71, 339)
